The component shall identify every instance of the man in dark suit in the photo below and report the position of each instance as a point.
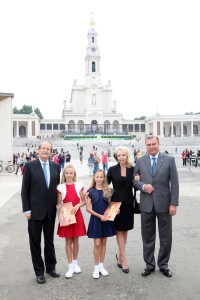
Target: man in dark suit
(159, 196)
(40, 181)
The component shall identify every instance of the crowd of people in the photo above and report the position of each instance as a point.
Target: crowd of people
(190, 158)
(43, 190)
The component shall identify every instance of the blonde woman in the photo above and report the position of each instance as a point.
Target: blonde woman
(121, 177)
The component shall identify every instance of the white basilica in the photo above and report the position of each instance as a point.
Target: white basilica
(91, 111)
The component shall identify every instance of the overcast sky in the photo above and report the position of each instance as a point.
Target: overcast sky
(150, 50)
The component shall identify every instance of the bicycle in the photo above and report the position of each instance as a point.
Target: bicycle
(10, 168)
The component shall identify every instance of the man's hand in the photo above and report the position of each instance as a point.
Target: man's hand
(28, 215)
(172, 210)
(148, 188)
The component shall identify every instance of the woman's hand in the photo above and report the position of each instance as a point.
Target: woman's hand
(102, 218)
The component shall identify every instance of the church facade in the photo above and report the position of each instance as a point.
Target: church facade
(92, 111)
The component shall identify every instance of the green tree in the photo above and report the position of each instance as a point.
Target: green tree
(27, 109)
(38, 112)
(141, 118)
(15, 110)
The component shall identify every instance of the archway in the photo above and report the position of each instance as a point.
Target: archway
(94, 126)
(107, 127)
(22, 131)
(80, 126)
(71, 126)
(116, 126)
(184, 130)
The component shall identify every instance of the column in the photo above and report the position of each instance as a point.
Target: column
(29, 129)
(172, 129)
(192, 133)
(155, 128)
(181, 128)
(17, 128)
(161, 128)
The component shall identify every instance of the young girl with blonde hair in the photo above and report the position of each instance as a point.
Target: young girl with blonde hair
(99, 228)
(71, 191)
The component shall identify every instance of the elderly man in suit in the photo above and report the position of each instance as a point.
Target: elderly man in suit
(39, 199)
(158, 183)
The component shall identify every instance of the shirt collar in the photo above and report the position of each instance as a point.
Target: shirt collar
(42, 162)
(156, 156)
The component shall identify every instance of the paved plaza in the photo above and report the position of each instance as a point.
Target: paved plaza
(17, 279)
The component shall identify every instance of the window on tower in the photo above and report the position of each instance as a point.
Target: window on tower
(93, 99)
(92, 39)
(93, 67)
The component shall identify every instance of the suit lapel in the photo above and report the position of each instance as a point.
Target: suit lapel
(148, 163)
(40, 172)
(159, 161)
(51, 170)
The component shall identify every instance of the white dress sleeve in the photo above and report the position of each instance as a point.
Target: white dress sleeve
(62, 189)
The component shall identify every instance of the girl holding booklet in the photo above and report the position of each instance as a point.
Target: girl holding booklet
(99, 228)
(71, 191)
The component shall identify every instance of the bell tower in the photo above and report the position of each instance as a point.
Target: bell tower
(90, 107)
(92, 58)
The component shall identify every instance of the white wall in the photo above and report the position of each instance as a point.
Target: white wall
(6, 127)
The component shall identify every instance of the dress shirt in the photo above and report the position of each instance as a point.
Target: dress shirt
(151, 160)
(156, 158)
(47, 169)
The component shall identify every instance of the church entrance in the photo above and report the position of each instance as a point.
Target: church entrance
(22, 131)
(94, 126)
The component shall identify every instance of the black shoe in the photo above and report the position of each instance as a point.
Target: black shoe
(53, 273)
(125, 270)
(40, 279)
(119, 265)
(166, 272)
(147, 272)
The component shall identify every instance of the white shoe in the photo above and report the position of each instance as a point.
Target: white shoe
(95, 274)
(103, 271)
(69, 273)
(77, 269)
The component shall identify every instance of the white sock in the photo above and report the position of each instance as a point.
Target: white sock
(96, 266)
(70, 266)
(74, 262)
(100, 265)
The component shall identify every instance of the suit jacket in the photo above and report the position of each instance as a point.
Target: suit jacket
(35, 194)
(123, 186)
(165, 183)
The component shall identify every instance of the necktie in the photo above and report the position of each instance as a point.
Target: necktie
(153, 167)
(45, 173)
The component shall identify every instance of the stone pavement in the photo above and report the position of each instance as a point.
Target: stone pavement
(17, 279)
